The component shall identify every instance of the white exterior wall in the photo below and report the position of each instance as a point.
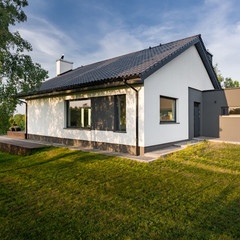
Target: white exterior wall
(172, 80)
(47, 117)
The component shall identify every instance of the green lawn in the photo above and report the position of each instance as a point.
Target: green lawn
(56, 193)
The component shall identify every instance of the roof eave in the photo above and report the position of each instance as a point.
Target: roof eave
(208, 65)
(110, 83)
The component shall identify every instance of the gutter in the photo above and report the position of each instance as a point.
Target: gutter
(95, 85)
(26, 118)
(137, 115)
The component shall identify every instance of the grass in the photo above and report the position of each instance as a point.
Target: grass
(56, 193)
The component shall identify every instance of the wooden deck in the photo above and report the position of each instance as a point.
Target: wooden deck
(16, 146)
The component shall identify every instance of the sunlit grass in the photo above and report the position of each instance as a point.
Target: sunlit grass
(56, 193)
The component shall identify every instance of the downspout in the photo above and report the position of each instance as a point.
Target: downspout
(26, 119)
(137, 133)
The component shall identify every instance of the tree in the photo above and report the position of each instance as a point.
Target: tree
(4, 118)
(225, 82)
(18, 73)
(19, 119)
(219, 75)
(229, 83)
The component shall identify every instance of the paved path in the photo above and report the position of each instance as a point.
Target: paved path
(146, 158)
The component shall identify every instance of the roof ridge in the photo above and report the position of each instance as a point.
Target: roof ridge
(109, 59)
(169, 56)
(197, 35)
(142, 63)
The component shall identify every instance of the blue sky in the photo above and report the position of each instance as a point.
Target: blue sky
(87, 31)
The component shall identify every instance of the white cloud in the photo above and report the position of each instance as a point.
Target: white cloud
(117, 43)
(116, 38)
(222, 36)
(48, 42)
(213, 19)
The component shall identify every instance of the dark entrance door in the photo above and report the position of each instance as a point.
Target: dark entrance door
(196, 119)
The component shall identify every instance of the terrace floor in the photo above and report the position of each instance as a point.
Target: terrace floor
(18, 146)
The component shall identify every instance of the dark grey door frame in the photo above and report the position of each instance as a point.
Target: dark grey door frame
(197, 119)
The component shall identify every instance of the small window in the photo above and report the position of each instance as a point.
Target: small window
(120, 103)
(167, 110)
(79, 113)
(224, 110)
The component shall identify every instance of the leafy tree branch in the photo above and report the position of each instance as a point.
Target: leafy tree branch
(18, 73)
(225, 82)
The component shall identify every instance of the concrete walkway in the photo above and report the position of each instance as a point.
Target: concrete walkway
(217, 140)
(28, 142)
(146, 158)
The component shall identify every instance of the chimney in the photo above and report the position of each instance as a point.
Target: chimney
(63, 66)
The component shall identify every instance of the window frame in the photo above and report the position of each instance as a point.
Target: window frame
(224, 111)
(117, 127)
(67, 114)
(175, 112)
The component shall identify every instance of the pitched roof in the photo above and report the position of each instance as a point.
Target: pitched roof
(140, 64)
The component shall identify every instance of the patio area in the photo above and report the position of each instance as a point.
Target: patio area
(18, 146)
(25, 146)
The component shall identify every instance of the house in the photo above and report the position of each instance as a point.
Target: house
(133, 103)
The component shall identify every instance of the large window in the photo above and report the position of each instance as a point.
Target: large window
(167, 109)
(120, 123)
(79, 113)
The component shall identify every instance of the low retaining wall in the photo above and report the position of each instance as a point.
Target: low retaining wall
(10, 148)
(18, 147)
(229, 128)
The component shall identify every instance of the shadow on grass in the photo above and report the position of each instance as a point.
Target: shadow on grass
(85, 157)
(89, 157)
(6, 157)
(41, 150)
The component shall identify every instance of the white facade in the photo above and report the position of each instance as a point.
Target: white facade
(172, 80)
(47, 116)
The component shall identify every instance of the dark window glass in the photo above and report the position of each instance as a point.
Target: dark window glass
(79, 113)
(103, 113)
(121, 112)
(167, 109)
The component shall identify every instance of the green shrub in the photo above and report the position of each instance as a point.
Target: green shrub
(19, 119)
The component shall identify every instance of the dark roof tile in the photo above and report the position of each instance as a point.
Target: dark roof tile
(131, 64)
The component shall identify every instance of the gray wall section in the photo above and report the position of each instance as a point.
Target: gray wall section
(194, 96)
(103, 113)
(212, 103)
